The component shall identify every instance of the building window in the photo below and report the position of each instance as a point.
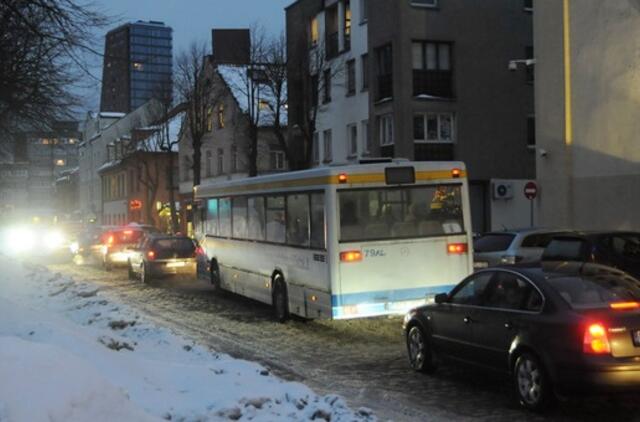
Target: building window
(366, 139)
(277, 160)
(331, 32)
(528, 5)
(209, 119)
(315, 86)
(209, 163)
(531, 131)
(346, 25)
(234, 159)
(315, 148)
(352, 140)
(221, 116)
(385, 129)
(433, 127)
(432, 70)
(365, 71)
(384, 72)
(364, 16)
(328, 147)
(220, 161)
(425, 3)
(326, 86)
(530, 74)
(351, 77)
(314, 33)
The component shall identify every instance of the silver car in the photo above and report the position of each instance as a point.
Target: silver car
(511, 246)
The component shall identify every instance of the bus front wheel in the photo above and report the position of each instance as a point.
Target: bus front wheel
(280, 300)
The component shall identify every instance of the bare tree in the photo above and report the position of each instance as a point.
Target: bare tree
(315, 73)
(194, 88)
(43, 46)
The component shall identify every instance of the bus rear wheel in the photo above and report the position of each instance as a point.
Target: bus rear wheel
(280, 299)
(215, 276)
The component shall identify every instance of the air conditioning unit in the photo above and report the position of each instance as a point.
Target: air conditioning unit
(502, 190)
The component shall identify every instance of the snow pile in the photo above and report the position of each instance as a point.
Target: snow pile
(68, 354)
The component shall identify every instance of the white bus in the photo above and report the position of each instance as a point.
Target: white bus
(339, 242)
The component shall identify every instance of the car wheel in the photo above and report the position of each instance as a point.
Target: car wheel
(280, 300)
(532, 385)
(420, 356)
(132, 275)
(215, 276)
(145, 277)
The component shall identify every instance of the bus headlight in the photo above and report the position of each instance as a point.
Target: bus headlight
(54, 239)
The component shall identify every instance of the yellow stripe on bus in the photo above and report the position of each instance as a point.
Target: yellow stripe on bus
(362, 178)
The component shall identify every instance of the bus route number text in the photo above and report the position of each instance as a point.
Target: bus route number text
(374, 253)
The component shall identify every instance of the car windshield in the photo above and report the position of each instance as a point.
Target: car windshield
(596, 291)
(564, 249)
(493, 242)
(174, 247)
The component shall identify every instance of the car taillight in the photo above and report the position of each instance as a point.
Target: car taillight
(457, 248)
(624, 306)
(110, 240)
(350, 256)
(199, 251)
(151, 255)
(596, 340)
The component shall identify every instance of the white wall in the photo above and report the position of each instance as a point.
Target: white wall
(343, 110)
(514, 213)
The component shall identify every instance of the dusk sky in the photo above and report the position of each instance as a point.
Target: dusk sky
(191, 20)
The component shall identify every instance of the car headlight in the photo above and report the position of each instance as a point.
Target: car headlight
(19, 240)
(74, 247)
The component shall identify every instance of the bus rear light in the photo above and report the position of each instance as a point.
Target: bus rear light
(351, 256)
(457, 248)
(151, 255)
(110, 240)
(342, 178)
(596, 340)
(624, 306)
(456, 173)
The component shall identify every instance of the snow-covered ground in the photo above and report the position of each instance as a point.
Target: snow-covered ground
(69, 354)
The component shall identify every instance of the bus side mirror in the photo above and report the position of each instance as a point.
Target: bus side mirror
(441, 298)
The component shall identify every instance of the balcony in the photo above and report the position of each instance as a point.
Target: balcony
(333, 45)
(436, 83)
(385, 87)
(433, 152)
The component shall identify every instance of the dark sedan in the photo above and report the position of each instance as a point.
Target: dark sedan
(563, 332)
(161, 256)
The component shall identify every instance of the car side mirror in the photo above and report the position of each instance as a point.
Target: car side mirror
(441, 298)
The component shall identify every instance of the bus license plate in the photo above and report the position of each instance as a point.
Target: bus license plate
(175, 264)
(636, 338)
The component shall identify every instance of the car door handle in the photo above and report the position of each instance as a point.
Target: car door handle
(467, 320)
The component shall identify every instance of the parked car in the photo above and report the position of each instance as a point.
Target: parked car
(162, 256)
(620, 250)
(118, 243)
(566, 332)
(511, 247)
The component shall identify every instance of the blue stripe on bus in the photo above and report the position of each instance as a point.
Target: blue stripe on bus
(385, 296)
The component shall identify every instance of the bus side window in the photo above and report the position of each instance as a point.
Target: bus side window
(298, 220)
(211, 220)
(276, 227)
(256, 218)
(317, 221)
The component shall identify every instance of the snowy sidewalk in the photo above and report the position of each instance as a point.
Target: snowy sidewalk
(67, 354)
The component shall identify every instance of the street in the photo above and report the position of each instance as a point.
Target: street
(362, 360)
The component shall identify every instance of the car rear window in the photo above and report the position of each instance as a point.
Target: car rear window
(538, 240)
(597, 290)
(565, 249)
(180, 247)
(127, 236)
(493, 242)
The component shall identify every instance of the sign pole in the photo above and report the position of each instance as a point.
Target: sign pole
(531, 211)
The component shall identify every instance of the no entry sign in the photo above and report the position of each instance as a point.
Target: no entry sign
(531, 191)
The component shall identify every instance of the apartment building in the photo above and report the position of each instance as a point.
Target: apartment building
(418, 79)
(586, 95)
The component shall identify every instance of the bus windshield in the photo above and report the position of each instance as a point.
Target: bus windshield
(400, 212)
